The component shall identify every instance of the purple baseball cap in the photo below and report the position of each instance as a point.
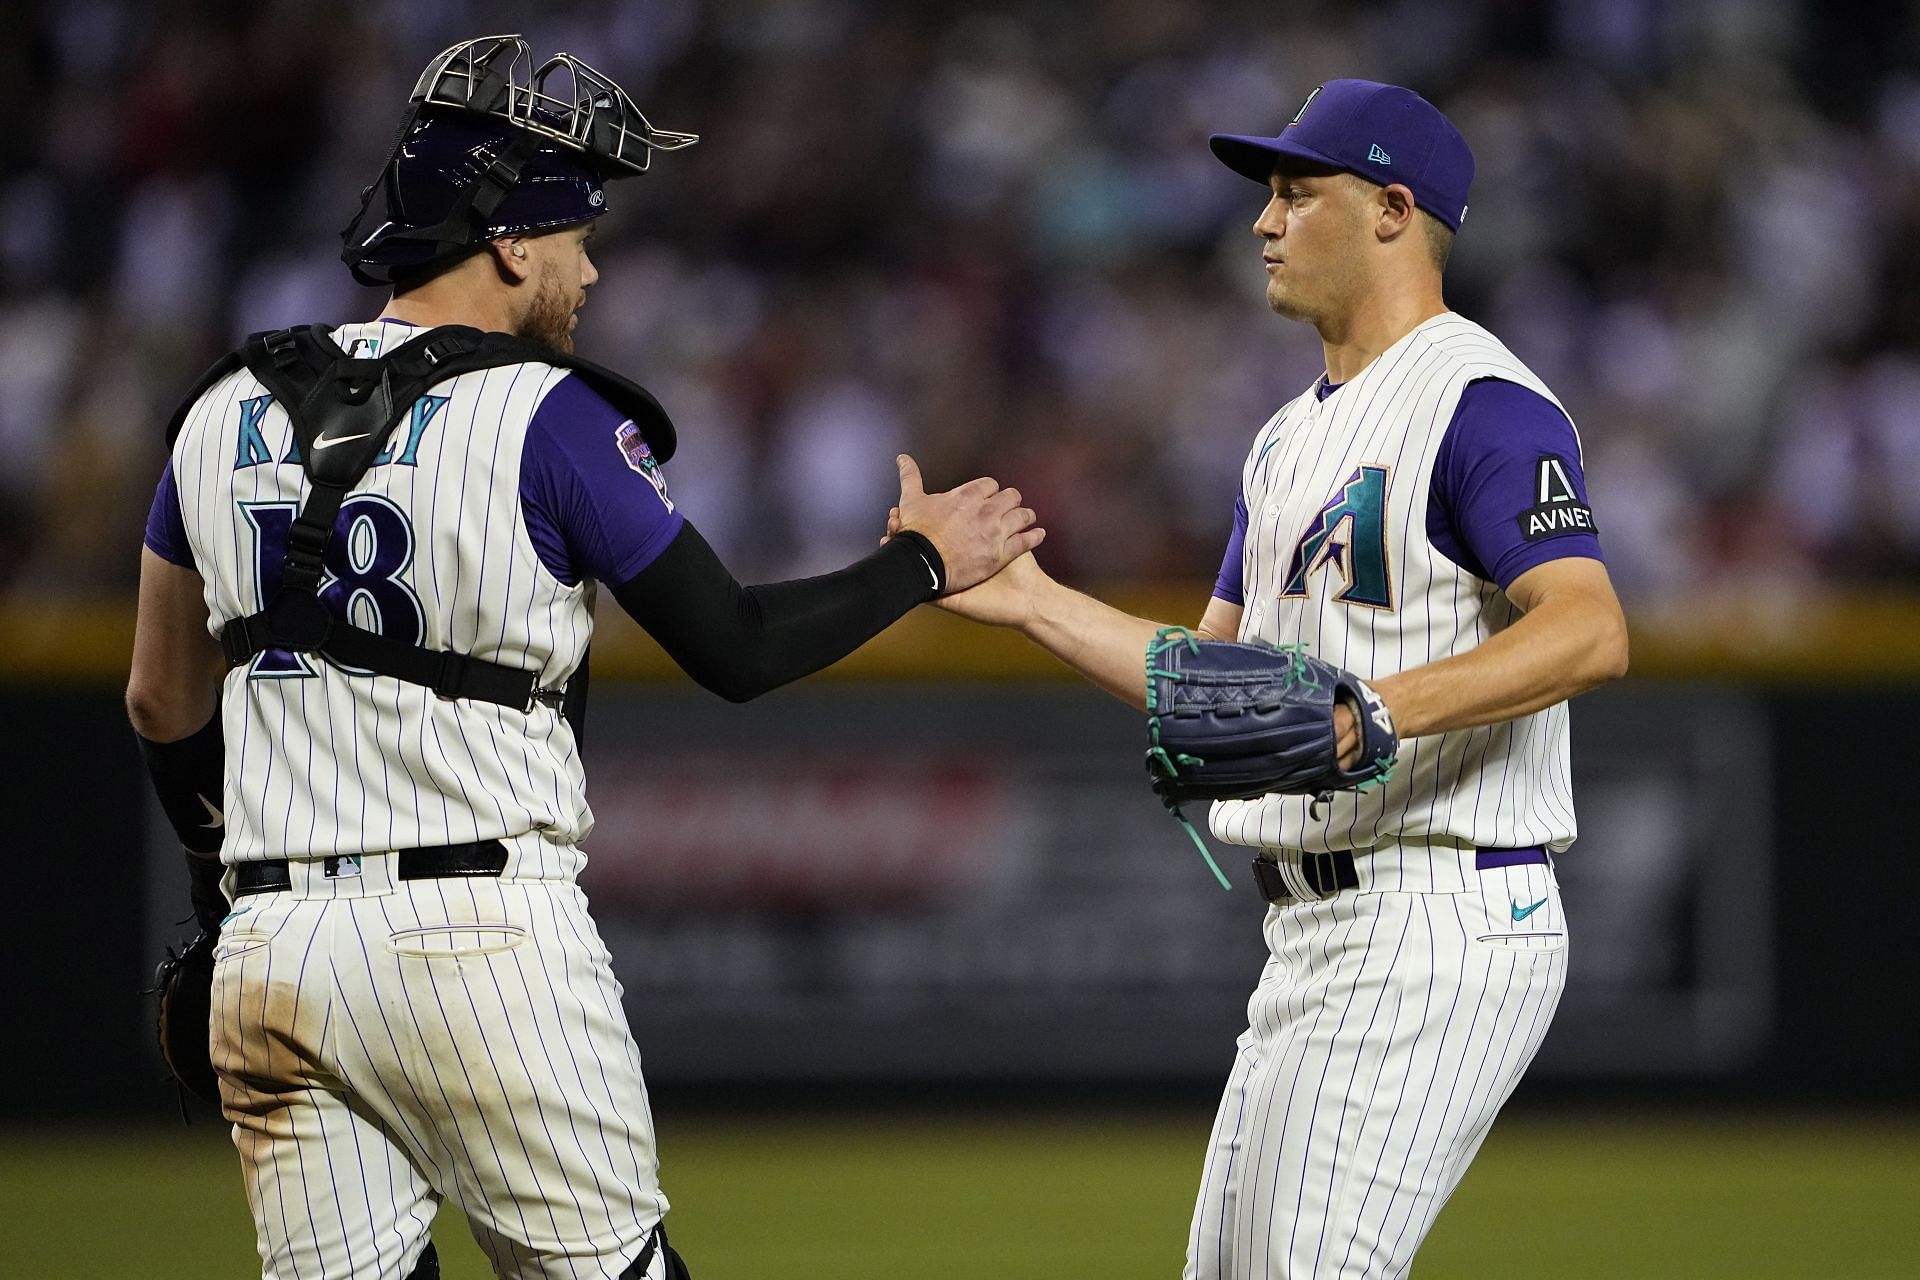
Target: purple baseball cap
(1380, 132)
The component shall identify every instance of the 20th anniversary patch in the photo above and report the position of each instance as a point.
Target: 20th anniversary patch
(633, 447)
(1557, 507)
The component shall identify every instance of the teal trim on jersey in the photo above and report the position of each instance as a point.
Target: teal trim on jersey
(1360, 509)
(1264, 451)
(269, 545)
(1521, 913)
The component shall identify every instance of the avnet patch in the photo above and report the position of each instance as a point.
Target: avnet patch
(1557, 507)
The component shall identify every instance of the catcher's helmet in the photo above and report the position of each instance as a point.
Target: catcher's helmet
(489, 148)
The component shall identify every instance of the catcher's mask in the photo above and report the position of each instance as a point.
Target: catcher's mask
(491, 147)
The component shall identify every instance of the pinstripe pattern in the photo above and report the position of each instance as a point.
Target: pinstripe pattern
(333, 763)
(383, 1044)
(1504, 785)
(1385, 1033)
(1392, 1020)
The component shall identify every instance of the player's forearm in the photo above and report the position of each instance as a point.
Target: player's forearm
(1102, 643)
(741, 642)
(1564, 647)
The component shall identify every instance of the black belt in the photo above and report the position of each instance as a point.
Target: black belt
(483, 858)
(1328, 873)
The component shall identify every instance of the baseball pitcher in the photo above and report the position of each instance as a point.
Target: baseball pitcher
(1374, 703)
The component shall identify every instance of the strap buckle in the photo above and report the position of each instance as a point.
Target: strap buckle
(238, 643)
(502, 172)
(452, 676)
(442, 347)
(281, 348)
(306, 555)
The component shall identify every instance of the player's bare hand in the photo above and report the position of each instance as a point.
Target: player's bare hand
(1346, 733)
(1007, 599)
(977, 528)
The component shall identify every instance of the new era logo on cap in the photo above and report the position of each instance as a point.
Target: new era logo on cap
(1363, 127)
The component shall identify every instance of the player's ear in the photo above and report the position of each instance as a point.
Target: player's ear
(1396, 211)
(510, 256)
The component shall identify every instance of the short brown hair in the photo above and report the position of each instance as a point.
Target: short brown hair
(1439, 239)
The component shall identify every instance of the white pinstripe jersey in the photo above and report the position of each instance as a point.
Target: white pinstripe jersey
(1328, 467)
(320, 761)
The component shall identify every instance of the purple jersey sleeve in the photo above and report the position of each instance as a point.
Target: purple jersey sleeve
(594, 498)
(1231, 585)
(166, 530)
(1508, 492)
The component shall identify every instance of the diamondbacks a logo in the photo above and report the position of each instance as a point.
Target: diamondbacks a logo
(633, 447)
(1349, 535)
(1557, 507)
(1303, 106)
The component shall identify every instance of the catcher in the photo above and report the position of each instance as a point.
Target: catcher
(1374, 703)
(366, 600)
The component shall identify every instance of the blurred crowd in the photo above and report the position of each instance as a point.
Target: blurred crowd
(992, 234)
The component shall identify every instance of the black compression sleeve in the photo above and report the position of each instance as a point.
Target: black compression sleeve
(187, 777)
(741, 642)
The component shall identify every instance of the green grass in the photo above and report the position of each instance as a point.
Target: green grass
(1016, 1197)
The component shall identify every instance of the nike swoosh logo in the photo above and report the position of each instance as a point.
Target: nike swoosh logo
(235, 914)
(1521, 913)
(331, 441)
(215, 818)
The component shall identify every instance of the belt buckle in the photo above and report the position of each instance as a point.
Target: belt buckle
(1293, 875)
(1267, 879)
(1294, 872)
(1281, 880)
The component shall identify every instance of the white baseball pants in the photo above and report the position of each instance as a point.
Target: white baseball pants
(383, 1045)
(1386, 1031)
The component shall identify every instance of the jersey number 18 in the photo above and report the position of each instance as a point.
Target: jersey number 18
(372, 546)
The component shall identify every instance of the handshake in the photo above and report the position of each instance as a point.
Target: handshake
(1225, 719)
(985, 539)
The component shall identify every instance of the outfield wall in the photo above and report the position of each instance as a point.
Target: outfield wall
(897, 882)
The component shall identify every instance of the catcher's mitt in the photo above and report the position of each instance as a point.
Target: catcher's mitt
(184, 982)
(1229, 721)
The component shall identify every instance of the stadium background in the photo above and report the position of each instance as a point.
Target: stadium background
(925, 982)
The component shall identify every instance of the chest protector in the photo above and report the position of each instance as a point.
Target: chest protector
(343, 412)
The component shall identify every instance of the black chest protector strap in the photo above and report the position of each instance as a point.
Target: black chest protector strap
(343, 411)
